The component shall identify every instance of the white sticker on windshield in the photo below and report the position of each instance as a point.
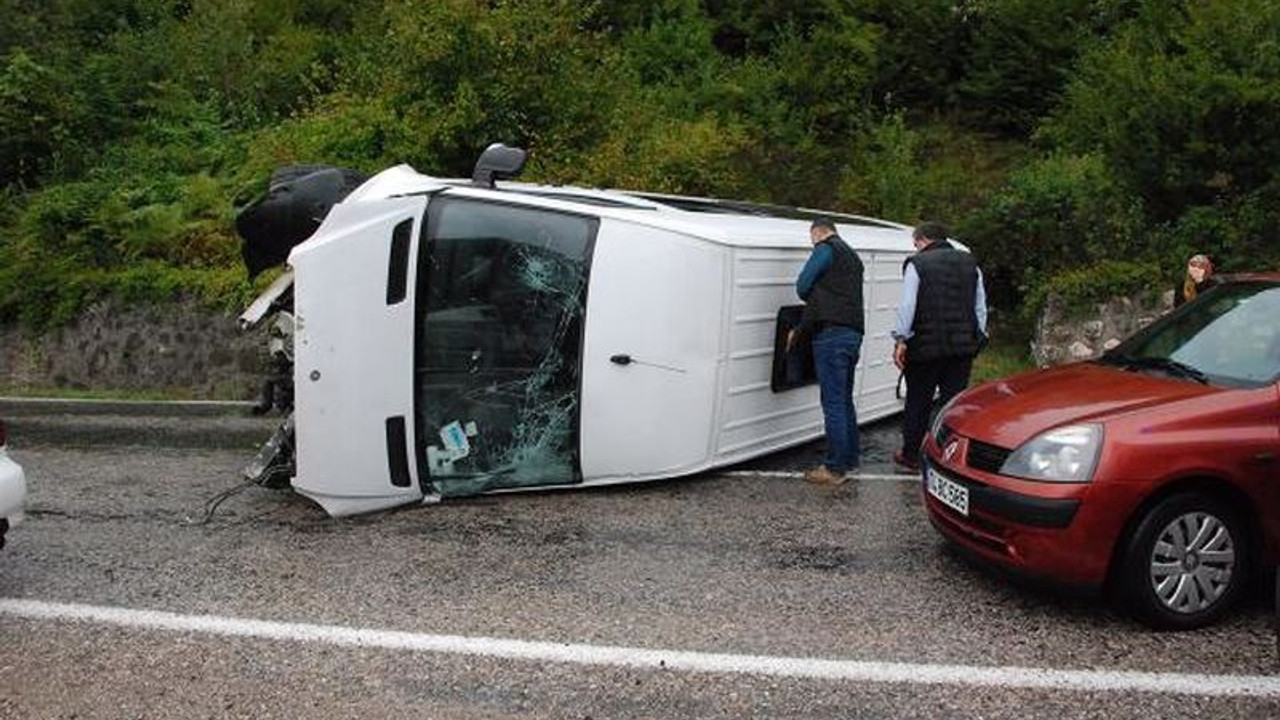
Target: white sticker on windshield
(439, 461)
(455, 440)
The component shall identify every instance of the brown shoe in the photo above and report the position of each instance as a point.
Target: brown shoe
(822, 475)
(905, 465)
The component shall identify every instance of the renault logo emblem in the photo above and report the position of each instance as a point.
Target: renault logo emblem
(950, 451)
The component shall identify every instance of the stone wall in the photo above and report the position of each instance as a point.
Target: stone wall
(1062, 337)
(180, 348)
(186, 350)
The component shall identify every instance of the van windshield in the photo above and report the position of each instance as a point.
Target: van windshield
(501, 302)
(1228, 336)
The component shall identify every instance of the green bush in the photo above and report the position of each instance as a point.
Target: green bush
(52, 295)
(342, 130)
(1238, 235)
(1081, 289)
(130, 130)
(693, 157)
(1058, 213)
(886, 179)
(1017, 59)
(1183, 103)
(36, 118)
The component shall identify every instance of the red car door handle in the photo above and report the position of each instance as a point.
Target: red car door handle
(1265, 457)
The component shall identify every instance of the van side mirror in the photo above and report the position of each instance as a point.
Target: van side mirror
(498, 162)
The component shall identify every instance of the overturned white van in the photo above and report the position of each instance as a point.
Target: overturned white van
(441, 338)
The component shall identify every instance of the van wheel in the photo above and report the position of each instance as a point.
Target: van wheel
(1186, 563)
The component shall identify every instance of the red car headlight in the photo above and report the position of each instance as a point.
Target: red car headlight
(1066, 454)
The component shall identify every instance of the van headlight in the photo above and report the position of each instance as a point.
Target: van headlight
(1065, 454)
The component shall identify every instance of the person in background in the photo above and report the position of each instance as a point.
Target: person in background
(1199, 278)
(941, 326)
(831, 286)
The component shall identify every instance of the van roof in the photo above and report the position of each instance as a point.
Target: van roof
(728, 222)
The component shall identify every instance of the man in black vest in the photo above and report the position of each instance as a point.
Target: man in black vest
(831, 286)
(942, 323)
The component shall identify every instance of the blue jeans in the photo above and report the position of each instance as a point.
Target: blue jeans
(835, 355)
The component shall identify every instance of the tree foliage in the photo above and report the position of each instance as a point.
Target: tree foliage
(1137, 130)
(1055, 214)
(1178, 113)
(1183, 103)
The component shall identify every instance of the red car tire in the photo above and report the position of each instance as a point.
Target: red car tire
(1186, 563)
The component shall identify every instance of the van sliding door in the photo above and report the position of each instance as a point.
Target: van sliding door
(500, 308)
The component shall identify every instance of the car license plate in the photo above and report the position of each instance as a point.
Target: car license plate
(952, 494)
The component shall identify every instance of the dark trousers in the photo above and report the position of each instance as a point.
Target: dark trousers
(945, 377)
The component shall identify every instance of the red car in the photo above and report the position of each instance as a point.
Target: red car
(1151, 471)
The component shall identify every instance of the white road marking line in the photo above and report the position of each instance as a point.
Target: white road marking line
(797, 475)
(1263, 686)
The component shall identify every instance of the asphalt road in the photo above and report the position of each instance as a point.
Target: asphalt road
(750, 594)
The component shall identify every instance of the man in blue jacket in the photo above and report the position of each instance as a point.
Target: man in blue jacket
(831, 286)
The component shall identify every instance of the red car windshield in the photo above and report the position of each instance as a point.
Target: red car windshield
(1228, 336)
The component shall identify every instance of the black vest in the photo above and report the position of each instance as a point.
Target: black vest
(837, 295)
(945, 323)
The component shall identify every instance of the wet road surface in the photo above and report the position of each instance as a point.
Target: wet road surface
(743, 584)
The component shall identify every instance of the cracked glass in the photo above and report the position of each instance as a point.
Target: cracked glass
(500, 310)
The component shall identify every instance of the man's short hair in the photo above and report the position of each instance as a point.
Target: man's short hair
(931, 231)
(823, 222)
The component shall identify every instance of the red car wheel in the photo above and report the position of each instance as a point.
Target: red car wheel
(1186, 563)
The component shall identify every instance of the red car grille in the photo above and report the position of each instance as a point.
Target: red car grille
(987, 458)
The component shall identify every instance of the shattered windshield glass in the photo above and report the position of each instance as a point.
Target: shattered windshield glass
(501, 304)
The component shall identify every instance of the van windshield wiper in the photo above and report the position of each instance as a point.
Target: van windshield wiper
(1169, 365)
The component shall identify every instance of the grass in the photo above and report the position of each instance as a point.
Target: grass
(1002, 360)
(63, 393)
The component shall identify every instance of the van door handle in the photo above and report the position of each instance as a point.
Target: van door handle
(1265, 457)
(624, 360)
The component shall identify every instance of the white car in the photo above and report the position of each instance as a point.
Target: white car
(13, 488)
(439, 338)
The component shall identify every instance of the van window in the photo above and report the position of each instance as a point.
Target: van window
(791, 368)
(501, 302)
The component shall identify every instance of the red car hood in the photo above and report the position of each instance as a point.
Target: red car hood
(1010, 411)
